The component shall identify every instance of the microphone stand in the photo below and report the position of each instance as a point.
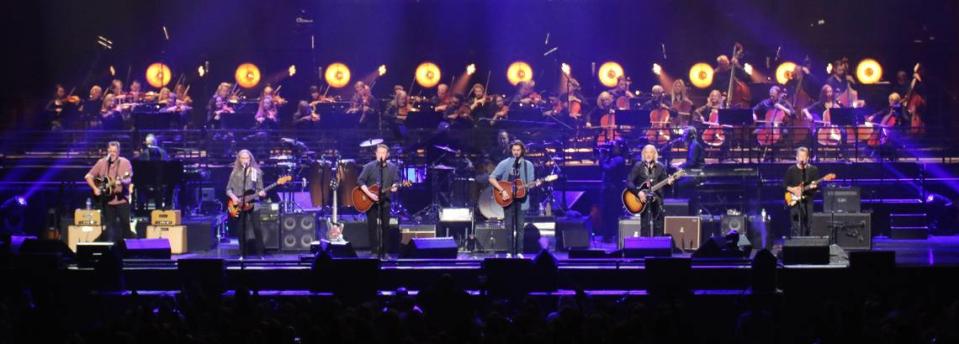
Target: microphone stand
(517, 207)
(243, 219)
(379, 212)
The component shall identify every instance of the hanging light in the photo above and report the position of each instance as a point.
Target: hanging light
(519, 71)
(869, 71)
(247, 75)
(337, 75)
(701, 75)
(158, 74)
(785, 72)
(428, 74)
(609, 72)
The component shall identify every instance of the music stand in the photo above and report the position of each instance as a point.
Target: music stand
(424, 119)
(634, 118)
(339, 120)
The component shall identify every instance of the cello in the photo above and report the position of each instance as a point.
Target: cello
(799, 125)
(714, 136)
(828, 135)
(769, 132)
(658, 132)
(607, 123)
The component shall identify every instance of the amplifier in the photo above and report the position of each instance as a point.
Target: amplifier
(410, 231)
(87, 217)
(841, 199)
(492, 236)
(630, 228)
(165, 218)
(78, 234)
(853, 231)
(176, 235)
(685, 231)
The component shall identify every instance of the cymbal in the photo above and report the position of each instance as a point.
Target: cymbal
(371, 143)
(445, 148)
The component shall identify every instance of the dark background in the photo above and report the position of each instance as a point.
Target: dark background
(49, 42)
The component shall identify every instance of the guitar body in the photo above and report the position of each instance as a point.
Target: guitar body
(519, 193)
(792, 198)
(234, 209)
(246, 200)
(632, 202)
(361, 201)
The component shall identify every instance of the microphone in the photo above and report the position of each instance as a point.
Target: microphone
(516, 162)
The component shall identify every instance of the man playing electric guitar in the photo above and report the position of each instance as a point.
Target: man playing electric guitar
(643, 175)
(247, 179)
(798, 176)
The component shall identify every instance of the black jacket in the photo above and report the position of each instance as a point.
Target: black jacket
(641, 174)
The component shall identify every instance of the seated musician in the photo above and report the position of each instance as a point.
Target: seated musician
(399, 112)
(173, 105)
(111, 113)
(500, 108)
(219, 106)
(305, 117)
(621, 93)
(182, 95)
(266, 114)
(657, 99)
(479, 102)
(441, 98)
(526, 94)
(815, 111)
(680, 104)
(842, 84)
(776, 100)
(604, 106)
(714, 101)
(58, 107)
(702, 120)
(116, 87)
(136, 92)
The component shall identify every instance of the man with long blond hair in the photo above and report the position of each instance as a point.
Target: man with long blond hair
(247, 179)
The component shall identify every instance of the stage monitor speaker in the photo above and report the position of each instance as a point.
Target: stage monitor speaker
(349, 278)
(89, 253)
(508, 277)
(175, 234)
(146, 248)
(853, 231)
(631, 228)
(206, 275)
(685, 231)
(435, 248)
(343, 249)
(410, 231)
(571, 233)
(297, 231)
(78, 234)
(841, 199)
(668, 276)
(577, 253)
(492, 236)
(31, 245)
(647, 247)
(269, 223)
(813, 250)
(733, 223)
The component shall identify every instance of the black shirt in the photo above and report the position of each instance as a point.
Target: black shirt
(695, 156)
(794, 176)
(643, 173)
(760, 109)
(370, 175)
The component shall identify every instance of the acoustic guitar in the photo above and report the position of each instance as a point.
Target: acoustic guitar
(362, 202)
(635, 205)
(518, 190)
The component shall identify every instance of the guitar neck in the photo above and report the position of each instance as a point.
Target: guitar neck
(266, 189)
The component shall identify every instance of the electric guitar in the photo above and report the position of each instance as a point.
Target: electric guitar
(335, 231)
(245, 204)
(793, 199)
(362, 202)
(517, 190)
(635, 205)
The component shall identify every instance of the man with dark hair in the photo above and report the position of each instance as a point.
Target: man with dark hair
(801, 174)
(385, 174)
(110, 178)
(510, 169)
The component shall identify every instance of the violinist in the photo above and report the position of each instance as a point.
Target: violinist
(441, 98)
(362, 103)
(136, 93)
(526, 94)
(266, 113)
(399, 112)
(479, 102)
(111, 114)
(60, 107)
(305, 117)
(90, 107)
(219, 106)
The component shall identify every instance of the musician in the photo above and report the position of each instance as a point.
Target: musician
(384, 173)
(695, 152)
(622, 88)
(526, 94)
(172, 104)
(827, 100)
(809, 81)
(657, 99)
(801, 174)
(182, 96)
(219, 106)
(440, 99)
(305, 117)
(500, 108)
(266, 113)
(111, 113)
(722, 71)
(246, 178)
(604, 106)
(57, 108)
(680, 104)
(613, 162)
(714, 101)
(479, 102)
(776, 100)
(510, 169)
(399, 112)
(362, 104)
(90, 107)
(645, 174)
(839, 80)
(115, 174)
(116, 87)
(136, 93)
(502, 148)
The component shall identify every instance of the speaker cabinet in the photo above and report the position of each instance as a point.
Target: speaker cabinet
(78, 234)
(269, 222)
(812, 250)
(492, 236)
(639, 247)
(297, 231)
(175, 234)
(436, 248)
(853, 231)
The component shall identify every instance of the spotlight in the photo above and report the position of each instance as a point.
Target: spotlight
(337, 75)
(201, 71)
(608, 73)
(829, 68)
(113, 71)
(22, 201)
(657, 69)
(785, 72)
(381, 70)
(158, 74)
(748, 68)
(701, 75)
(292, 70)
(471, 69)
(869, 71)
(565, 68)
(427, 74)
(519, 71)
(247, 75)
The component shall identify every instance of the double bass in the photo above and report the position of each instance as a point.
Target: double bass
(914, 103)
(799, 126)
(878, 135)
(738, 94)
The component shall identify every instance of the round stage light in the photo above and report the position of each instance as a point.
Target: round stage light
(785, 72)
(869, 71)
(609, 72)
(701, 75)
(519, 71)
(247, 75)
(337, 75)
(158, 74)
(428, 74)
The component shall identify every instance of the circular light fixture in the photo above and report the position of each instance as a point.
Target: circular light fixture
(869, 71)
(609, 72)
(785, 72)
(701, 75)
(428, 74)
(247, 75)
(337, 75)
(519, 71)
(158, 75)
